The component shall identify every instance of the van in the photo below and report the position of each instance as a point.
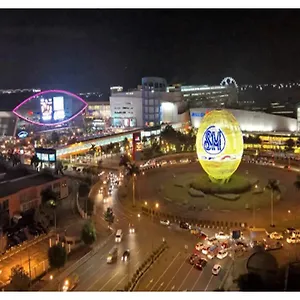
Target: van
(112, 255)
(119, 235)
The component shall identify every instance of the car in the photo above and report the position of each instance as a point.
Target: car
(222, 254)
(184, 161)
(185, 225)
(125, 255)
(192, 259)
(292, 240)
(273, 246)
(165, 222)
(212, 240)
(202, 236)
(200, 263)
(163, 162)
(222, 236)
(205, 250)
(216, 270)
(290, 230)
(199, 246)
(173, 162)
(131, 228)
(276, 236)
(70, 283)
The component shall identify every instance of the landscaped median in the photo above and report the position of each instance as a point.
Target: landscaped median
(193, 222)
(144, 267)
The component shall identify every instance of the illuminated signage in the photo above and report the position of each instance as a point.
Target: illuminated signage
(46, 109)
(219, 144)
(58, 108)
(23, 134)
(199, 115)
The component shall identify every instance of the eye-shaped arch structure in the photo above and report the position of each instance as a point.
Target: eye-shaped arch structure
(41, 95)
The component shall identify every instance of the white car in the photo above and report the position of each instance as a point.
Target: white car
(292, 240)
(205, 250)
(163, 162)
(222, 254)
(222, 236)
(276, 236)
(165, 222)
(199, 246)
(184, 161)
(216, 269)
(212, 240)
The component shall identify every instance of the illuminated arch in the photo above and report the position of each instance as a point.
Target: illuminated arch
(46, 92)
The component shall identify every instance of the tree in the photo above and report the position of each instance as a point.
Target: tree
(124, 160)
(34, 161)
(126, 143)
(54, 137)
(83, 189)
(88, 233)
(19, 278)
(50, 199)
(57, 256)
(144, 141)
(290, 144)
(273, 186)
(250, 282)
(109, 216)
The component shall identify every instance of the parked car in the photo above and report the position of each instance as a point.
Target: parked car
(290, 230)
(293, 240)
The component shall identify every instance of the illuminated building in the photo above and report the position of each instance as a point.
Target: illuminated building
(219, 144)
(251, 121)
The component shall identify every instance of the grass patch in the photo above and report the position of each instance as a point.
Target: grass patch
(236, 185)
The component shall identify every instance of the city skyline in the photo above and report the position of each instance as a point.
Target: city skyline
(95, 49)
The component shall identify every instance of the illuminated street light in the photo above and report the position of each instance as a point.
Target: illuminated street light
(156, 205)
(143, 173)
(51, 277)
(146, 203)
(139, 215)
(289, 211)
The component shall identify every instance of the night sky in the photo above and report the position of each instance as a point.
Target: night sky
(82, 50)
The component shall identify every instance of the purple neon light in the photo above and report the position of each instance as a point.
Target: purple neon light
(45, 92)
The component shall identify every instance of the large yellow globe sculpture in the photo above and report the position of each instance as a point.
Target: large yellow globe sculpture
(219, 145)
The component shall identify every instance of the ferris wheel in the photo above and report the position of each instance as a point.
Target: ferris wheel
(228, 81)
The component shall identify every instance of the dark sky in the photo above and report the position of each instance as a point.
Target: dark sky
(83, 50)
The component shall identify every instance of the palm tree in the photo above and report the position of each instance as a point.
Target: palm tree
(273, 186)
(132, 171)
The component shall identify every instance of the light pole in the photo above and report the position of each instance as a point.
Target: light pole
(254, 208)
(133, 189)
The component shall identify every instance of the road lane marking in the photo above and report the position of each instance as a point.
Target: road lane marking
(165, 270)
(173, 287)
(197, 280)
(149, 283)
(97, 279)
(185, 278)
(177, 272)
(114, 289)
(108, 281)
(162, 284)
(209, 282)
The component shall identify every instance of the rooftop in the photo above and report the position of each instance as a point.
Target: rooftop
(8, 188)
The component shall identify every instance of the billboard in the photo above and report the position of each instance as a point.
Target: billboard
(46, 109)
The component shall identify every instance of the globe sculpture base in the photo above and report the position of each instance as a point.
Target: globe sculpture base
(236, 184)
(219, 181)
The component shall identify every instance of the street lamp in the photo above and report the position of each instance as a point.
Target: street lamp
(146, 203)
